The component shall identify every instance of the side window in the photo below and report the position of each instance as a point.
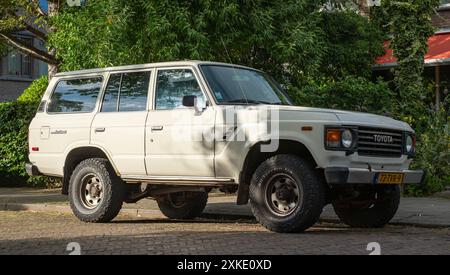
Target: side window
(75, 95)
(172, 85)
(111, 93)
(126, 92)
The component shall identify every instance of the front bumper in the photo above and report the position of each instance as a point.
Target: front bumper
(32, 170)
(344, 175)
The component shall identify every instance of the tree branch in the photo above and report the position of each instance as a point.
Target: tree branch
(40, 34)
(29, 49)
(29, 26)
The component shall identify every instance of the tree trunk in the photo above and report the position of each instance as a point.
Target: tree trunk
(363, 7)
(52, 70)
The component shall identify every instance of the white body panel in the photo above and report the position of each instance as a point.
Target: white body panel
(146, 143)
(122, 136)
(175, 146)
(65, 132)
(57, 134)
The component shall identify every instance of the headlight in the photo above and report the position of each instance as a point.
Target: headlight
(410, 144)
(340, 139)
(347, 138)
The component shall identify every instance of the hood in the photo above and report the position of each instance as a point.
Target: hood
(355, 118)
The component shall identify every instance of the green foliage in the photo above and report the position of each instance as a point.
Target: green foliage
(410, 24)
(291, 40)
(353, 42)
(15, 118)
(350, 93)
(433, 154)
(34, 92)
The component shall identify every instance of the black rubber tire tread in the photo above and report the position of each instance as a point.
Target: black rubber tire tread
(193, 207)
(377, 216)
(307, 214)
(114, 191)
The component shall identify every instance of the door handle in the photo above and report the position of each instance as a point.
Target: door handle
(100, 130)
(157, 128)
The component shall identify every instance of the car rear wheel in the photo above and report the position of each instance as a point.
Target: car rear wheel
(183, 205)
(286, 194)
(96, 193)
(373, 208)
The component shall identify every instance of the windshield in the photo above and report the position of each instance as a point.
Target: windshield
(232, 85)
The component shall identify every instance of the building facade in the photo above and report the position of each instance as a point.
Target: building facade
(18, 70)
(441, 19)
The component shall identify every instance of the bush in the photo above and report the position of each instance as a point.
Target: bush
(350, 93)
(433, 154)
(15, 118)
(34, 92)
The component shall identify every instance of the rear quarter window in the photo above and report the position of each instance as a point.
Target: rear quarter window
(75, 95)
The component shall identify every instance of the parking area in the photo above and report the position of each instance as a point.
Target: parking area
(28, 232)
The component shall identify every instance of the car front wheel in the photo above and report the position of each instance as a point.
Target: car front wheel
(286, 194)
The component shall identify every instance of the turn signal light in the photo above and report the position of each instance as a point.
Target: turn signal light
(333, 137)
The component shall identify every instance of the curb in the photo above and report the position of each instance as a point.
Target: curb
(156, 214)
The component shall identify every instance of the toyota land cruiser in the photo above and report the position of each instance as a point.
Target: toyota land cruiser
(174, 131)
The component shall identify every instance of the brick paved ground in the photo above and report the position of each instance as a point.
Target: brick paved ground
(49, 233)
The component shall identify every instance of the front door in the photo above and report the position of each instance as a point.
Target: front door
(119, 126)
(179, 140)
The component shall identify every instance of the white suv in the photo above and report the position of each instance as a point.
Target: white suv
(173, 131)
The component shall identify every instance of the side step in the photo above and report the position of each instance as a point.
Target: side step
(189, 181)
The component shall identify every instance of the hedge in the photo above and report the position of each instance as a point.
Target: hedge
(15, 117)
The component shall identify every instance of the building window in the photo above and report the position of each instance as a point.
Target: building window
(18, 64)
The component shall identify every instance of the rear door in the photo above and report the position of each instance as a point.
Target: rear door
(119, 126)
(65, 122)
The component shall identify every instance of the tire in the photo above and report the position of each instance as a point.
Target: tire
(183, 205)
(272, 205)
(96, 193)
(385, 202)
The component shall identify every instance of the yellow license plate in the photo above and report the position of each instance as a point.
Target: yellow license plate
(390, 178)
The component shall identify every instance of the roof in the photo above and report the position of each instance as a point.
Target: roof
(438, 52)
(147, 66)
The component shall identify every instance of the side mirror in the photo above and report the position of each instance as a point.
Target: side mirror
(189, 100)
(192, 101)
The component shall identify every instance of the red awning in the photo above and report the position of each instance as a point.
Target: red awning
(438, 52)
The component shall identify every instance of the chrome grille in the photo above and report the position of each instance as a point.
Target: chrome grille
(377, 142)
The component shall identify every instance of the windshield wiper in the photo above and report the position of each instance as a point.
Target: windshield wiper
(250, 101)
